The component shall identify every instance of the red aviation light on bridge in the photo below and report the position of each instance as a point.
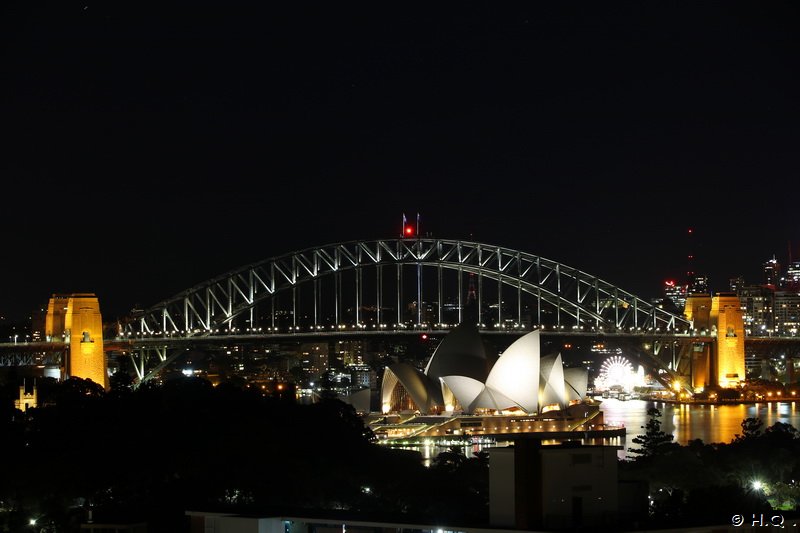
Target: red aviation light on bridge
(409, 230)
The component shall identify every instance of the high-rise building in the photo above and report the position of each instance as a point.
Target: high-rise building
(792, 277)
(736, 284)
(772, 272)
(698, 284)
(675, 293)
(363, 377)
(350, 352)
(757, 303)
(787, 313)
(314, 359)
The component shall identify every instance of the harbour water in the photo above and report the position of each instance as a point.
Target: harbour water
(709, 423)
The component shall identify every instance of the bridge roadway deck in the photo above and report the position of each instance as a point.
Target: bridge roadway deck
(120, 343)
(760, 346)
(116, 343)
(311, 336)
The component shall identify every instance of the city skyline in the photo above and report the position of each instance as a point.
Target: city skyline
(152, 151)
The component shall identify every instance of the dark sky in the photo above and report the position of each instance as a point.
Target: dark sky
(150, 146)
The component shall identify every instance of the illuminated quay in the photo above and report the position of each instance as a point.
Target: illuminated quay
(584, 420)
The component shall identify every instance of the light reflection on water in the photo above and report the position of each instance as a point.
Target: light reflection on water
(430, 451)
(709, 423)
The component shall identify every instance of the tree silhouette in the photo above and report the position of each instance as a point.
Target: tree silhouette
(654, 441)
(120, 383)
(751, 428)
(449, 460)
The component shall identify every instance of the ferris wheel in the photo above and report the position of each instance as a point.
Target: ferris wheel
(618, 372)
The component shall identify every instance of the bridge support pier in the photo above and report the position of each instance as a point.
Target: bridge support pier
(76, 318)
(702, 371)
(721, 317)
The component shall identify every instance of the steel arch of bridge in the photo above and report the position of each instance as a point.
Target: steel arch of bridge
(573, 297)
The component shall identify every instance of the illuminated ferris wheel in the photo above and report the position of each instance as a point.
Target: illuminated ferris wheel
(618, 371)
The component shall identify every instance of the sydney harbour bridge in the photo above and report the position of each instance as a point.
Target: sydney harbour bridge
(396, 287)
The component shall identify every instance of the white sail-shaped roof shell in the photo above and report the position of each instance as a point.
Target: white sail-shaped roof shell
(520, 378)
(492, 399)
(464, 389)
(576, 380)
(461, 353)
(422, 390)
(551, 384)
(515, 375)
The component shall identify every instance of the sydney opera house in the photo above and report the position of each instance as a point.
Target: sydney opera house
(464, 391)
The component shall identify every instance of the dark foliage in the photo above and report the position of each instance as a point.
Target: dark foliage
(152, 453)
(705, 484)
(751, 428)
(654, 441)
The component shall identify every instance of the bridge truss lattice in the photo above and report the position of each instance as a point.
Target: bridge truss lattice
(400, 283)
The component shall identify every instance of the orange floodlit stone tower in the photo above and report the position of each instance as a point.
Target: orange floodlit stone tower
(721, 317)
(698, 310)
(726, 315)
(76, 319)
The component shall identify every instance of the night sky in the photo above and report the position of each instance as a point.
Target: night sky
(150, 146)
